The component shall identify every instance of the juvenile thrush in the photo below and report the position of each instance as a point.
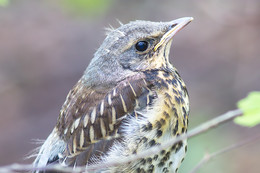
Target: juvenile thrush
(129, 99)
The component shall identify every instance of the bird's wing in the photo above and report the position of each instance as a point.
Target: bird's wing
(90, 119)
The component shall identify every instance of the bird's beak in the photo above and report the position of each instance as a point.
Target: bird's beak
(175, 26)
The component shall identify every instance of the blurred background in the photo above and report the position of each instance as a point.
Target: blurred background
(46, 45)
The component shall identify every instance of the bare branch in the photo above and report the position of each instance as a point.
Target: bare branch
(14, 168)
(207, 157)
(124, 160)
(154, 150)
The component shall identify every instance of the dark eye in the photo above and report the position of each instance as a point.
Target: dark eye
(141, 46)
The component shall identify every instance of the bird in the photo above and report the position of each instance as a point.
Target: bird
(129, 99)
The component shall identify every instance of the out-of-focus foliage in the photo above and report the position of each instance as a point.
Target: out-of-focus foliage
(4, 3)
(251, 108)
(87, 7)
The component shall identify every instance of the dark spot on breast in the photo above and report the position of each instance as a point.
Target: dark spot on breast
(159, 133)
(158, 124)
(144, 139)
(155, 157)
(176, 115)
(164, 84)
(168, 154)
(162, 121)
(173, 147)
(174, 90)
(179, 146)
(166, 104)
(161, 164)
(169, 81)
(182, 130)
(142, 161)
(147, 127)
(175, 111)
(152, 143)
(182, 159)
(167, 95)
(151, 167)
(184, 89)
(177, 99)
(181, 99)
(162, 152)
(166, 114)
(140, 170)
(149, 160)
(174, 82)
(164, 159)
(184, 112)
(166, 74)
(184, 123)
(175, 128)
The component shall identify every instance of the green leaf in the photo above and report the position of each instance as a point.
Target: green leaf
(251, 109)
(3, 3)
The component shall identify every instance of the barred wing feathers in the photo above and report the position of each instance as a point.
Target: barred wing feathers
(90, 119)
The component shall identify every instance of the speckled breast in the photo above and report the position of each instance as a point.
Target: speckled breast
(165, 118)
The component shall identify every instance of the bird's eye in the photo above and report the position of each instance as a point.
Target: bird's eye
(141, 46)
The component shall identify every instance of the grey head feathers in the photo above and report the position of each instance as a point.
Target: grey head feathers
(117, 56)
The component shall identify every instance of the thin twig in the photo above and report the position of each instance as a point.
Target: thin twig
(207, 157)
(154, 150)
(124, 160)
(29, 167)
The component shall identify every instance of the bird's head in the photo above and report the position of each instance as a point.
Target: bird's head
(131, 48)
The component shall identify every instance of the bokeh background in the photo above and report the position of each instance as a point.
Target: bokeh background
(46, 45)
